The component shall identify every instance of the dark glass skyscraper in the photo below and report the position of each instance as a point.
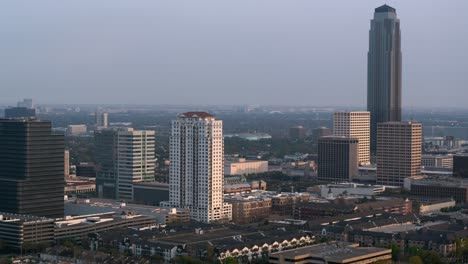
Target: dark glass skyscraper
(31, 168)
(384, 69)
(337, 158)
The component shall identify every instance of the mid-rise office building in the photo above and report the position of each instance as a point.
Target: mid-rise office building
(398, 152)
(124, 156)
(76, 130)
(241, 166)
(196, 172)
(320, 132)
(27, 103)
(384, 69)
(356, 125)
(19, 112)
(337, 159)
(102, 119)
(437, 161)
(66, 163)
(32, 168)
(297, 132)
(460, 166)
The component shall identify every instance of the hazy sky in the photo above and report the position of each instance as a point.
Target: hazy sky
(287, 52)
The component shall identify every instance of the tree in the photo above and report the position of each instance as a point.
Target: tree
(395, 252)
(416, 260)
(430, 257)
(416, 207)
(230, 260)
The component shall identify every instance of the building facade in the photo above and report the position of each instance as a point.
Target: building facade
(196, 172)
(19, 112)
(243, 167)
(124, 156)
(437, 161)
(460, 166)
(384, 70)
(398, 152)
(102, 120)
(354, 125)
(337, 159)
(297, 132)
(32, 168)
(76, 130)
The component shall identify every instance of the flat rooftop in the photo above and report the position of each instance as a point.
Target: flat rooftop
(333, 252)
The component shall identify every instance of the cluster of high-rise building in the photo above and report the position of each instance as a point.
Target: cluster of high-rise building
(379, 130)
(34, 163)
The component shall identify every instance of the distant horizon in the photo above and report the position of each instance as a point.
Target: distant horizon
(335, 107)
(242, 52)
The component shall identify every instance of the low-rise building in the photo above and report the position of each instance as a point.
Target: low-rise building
(160, 215)
(241, 166)
(437, 161)
(435, 207)
(150, 193)
(333, 252)
(17, 230)
(249, 209)
(76, 130)
(346, 188)
(438, 188)
(245, 187)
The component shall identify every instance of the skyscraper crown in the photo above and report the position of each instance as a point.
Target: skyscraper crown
(385, 9)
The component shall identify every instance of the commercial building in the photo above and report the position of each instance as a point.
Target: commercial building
(102, 120)
(249, 209)
(337, 159)
(435, 207)
(334, 190)
(320, 132)
(150, 193)
(398, 152)
(27, 103)
(76, 130)
(32, 168)
(384, 69)
(437, 161)
(242, 187)
(66, 163)
(196, 172)
(297, 132)
(334, 252)
(77, 186)
(354, 125)
(19, 112)
(438, 188)
(86, 169)
(96, 206)
(460, 166)
(241, 166)
(123, 156)
(16, 230)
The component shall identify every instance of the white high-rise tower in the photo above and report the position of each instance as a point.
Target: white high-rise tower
(196, 174)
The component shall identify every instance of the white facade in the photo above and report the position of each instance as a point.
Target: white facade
(102, 119)
(76, 130)
(243, 167)
(196, 174)
(355, 125)
(135, 159)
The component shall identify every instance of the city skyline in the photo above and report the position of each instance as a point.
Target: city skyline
(166, 56)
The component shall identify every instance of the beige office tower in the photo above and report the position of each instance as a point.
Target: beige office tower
(398, 152)
(354, 125)
(66, 163)
(102, 119)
